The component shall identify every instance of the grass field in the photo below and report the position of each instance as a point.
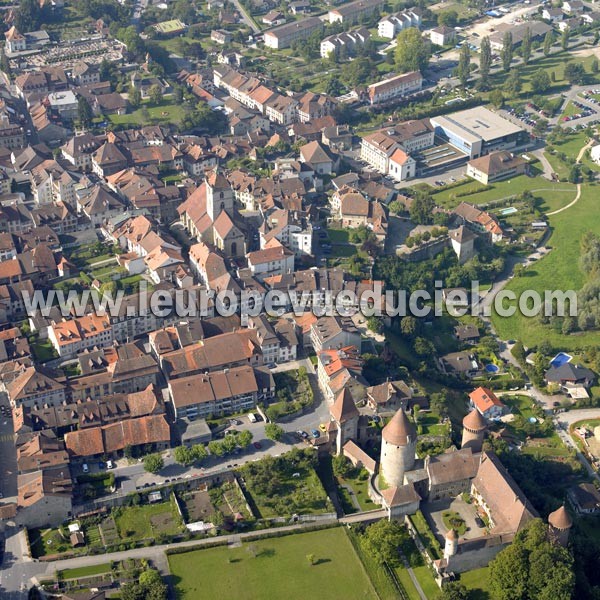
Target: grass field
(148, 521)
(274, 568)
(558, 269)
(164, 113)
(85, 571)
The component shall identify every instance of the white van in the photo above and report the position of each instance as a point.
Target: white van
(252, 417)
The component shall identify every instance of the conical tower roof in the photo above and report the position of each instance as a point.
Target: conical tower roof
(399, 431)
(560, 518)
(344, 408)
(451, 535)
(474, 421)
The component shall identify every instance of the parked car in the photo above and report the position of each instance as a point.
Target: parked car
(257, 445)
(110, 464)
(479, 522)
(85, 468)
(315, 433)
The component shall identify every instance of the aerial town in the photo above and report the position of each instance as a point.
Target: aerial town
(299, 298)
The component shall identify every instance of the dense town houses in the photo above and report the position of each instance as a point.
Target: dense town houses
(312, 163)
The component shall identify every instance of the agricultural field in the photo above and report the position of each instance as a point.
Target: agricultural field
(274, 568)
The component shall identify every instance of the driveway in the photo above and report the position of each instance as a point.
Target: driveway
(434, 511)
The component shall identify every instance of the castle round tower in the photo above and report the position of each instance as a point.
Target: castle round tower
(474, 426)
(450, 544)
(398, 447)
(559, 526)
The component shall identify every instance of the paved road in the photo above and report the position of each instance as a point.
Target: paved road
(245, 17)
(564, 420)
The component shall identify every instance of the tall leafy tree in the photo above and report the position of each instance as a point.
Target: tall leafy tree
(485, 62)
(507, 50)
(413, 51)
(548, 41)
(84, 112)
(564, 40)
(526, 46)
(513, 83)
(540, 81)
(464, 65)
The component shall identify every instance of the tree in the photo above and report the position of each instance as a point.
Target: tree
(312, 559)
(497, 98)
(513, 83)
(244, 438)
(333, 87)
(217, 518)
(594, 66)
(485, 63)
(28, 16)
(421, 210)
(229, 443)
(455, 591)
(540, 81)
(564, 40)
(184, 455)
(342, 467)
(382, 540)
(149, 587)
(155, 94)
(135, 97)
(274, 432)
(215, 448)
(84, 112)
(548, 41)
(357, 72)
(506, 53)
(413, 51)
(199, 451)
(464, 65)
(532, 568)
(7, 70)
(375, 324)
(449, 18)
(574, 73)
(153, 463)
(526, 46)
(408, 326)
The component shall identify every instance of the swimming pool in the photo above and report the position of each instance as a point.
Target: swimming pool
(491, 368)
(511, 210)
(562, 358)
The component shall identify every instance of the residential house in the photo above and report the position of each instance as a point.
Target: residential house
(487, 403)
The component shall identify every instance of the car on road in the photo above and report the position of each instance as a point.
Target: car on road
(315, 433)
(257, 445)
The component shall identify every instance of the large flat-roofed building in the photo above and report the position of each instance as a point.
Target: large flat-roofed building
(285, 35)
(477, 131)
(537, 30)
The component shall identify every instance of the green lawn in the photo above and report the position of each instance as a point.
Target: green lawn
(163, 113)
(553, 195)
(360, 489)
(273, 569)
(557, 270)
(478, 583)
(43, 350)
(148, 521)
(85, 571)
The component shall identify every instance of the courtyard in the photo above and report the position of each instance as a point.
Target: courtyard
(442, 512)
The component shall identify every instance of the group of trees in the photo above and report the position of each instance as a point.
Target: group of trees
(533, 568)
(187, 455)
(231, 442)
(149, 586)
